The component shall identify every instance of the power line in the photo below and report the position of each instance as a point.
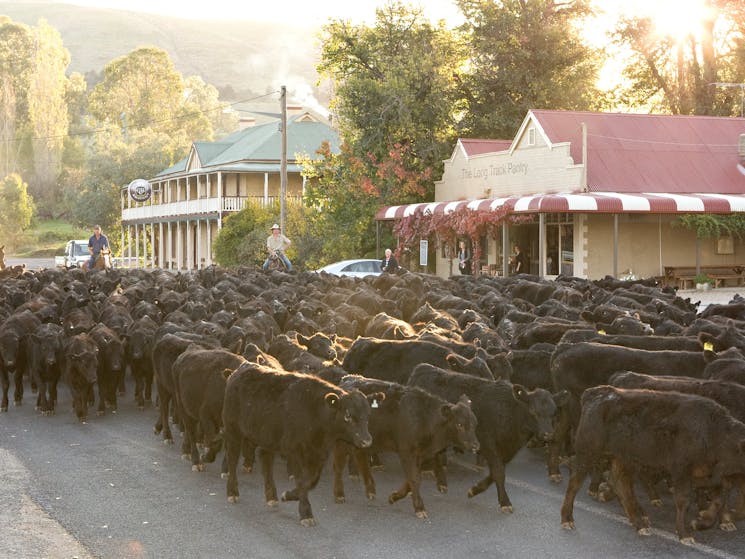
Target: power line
(137, 126)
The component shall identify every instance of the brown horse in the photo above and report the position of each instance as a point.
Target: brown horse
(103, 260)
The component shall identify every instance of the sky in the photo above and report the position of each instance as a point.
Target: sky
(673, 17)
(305, 12)
(669, 14)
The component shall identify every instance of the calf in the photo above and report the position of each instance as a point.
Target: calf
(298, 416)
(45, 350)
(139, 349)
(694, 439)
(165, 352)
(199, 377)
(411, 422)
(576, 367)
(81, 370)
(110, 365)
(507, 416)
(293, 356)
(393, 360)
(13, 358)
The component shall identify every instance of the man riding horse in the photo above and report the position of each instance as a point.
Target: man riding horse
(97, 244)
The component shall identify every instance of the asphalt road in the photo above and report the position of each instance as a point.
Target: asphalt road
(111, 489)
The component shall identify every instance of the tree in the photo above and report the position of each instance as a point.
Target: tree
(242, 239)
(524, 55)
(16, 209)
(47, 108)
(346, 194)
(16, 67)
(676, 75)
(142, 90)
(394, 105)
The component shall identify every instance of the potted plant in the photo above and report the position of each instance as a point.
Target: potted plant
(703, 282)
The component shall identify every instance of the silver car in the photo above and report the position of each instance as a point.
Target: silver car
(356, 268)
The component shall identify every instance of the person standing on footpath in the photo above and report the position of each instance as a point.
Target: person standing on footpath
(389, 263)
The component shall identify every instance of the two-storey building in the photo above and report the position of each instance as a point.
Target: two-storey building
(174, 228)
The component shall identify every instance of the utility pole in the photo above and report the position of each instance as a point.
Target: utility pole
(741, 87)
(283, 161)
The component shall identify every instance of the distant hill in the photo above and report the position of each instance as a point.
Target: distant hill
(251, 58)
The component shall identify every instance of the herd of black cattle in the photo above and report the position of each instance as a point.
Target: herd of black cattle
(624, 380)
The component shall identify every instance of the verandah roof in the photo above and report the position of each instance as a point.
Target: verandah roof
(585, 202)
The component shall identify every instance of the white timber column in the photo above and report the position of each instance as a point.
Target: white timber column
(219, 200)
(152, 245)
(144, 245)
(179, 246)
(305, 179)
(199, 244)
(137, 245)
(129, 246)
(189, 253)
(266, 189)
(209, 243)
(160, 245)
(169, 247)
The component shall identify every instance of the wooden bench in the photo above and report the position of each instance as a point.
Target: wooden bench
(683, 276)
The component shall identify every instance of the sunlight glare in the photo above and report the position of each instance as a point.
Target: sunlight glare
(677, 18)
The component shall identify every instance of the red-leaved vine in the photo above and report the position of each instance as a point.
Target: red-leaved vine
(447, 228)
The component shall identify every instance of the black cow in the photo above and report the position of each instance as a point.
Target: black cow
(298, 416)
(693, 439)
(13, 358)
(139, 357)
(576, 367)
(81, 370)
(508, 416)
(728, 394)
(393, 360)
(199, 387)
(411, 422)
(165, 352)
(110, 365)
(46, 362)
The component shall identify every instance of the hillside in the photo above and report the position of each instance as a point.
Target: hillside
(251, 57)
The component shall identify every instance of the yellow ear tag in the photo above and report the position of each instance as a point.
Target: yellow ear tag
(708, 346)
(374, 404)
(601, 332)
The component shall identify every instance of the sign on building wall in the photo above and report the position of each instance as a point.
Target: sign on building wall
(423, 247)
(140, 190)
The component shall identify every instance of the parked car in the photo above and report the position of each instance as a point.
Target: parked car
(76, 253)
(356, 268)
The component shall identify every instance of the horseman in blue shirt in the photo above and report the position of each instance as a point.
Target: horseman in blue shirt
(97, 241)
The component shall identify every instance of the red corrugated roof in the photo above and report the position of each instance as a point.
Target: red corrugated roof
(479, 146)
(652, 153)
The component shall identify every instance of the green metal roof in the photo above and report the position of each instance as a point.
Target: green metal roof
(258, 148)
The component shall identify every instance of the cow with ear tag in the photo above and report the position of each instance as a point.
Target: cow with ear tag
(295, 415)
(414, 424)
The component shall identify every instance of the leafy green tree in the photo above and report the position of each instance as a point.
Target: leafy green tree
(16, 69)
(524, 55)
(203, 100)
(345, 196)
(139, 90)
(393, 83)
(48, 115)
(16, 209)
(395, 108)
(677, 75)
(242, 239)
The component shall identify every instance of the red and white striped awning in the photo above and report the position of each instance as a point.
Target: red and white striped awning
(585, 202)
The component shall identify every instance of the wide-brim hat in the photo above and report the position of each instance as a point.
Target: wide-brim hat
(275, 226)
